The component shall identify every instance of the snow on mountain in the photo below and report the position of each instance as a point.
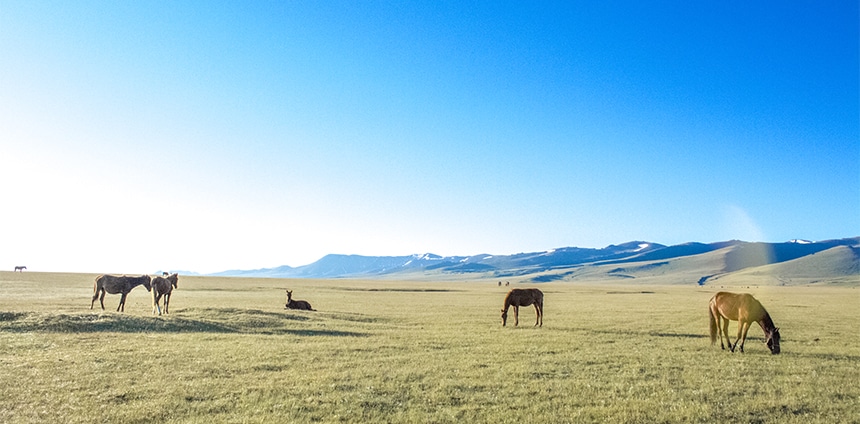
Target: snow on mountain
(742, 255)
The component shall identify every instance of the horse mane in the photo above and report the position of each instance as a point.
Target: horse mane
(508, 300)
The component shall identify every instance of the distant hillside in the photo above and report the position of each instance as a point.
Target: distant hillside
(690, 263)
(837, 265)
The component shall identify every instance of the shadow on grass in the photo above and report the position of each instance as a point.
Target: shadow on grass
(397, 290)
(227, 321)
(651, 333)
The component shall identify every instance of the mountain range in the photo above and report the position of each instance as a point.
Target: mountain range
(729, 262)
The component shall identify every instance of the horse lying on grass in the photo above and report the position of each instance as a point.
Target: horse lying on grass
(297, 304)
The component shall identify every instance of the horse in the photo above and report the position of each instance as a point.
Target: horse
(297, 304)
(20, 268)
(523, 297)
(744, 309)
(113, 285)
(162, 286)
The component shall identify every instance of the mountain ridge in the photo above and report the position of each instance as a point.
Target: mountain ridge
(695, 261)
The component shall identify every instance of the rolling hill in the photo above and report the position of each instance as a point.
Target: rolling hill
(729, 262)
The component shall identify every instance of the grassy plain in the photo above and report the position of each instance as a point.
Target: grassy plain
(390, 351)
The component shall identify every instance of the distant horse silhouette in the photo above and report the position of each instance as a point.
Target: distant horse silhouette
(523, 297)
(744, 309)
(297, 304)
(113, 285)
(20, 268)
(162, 286)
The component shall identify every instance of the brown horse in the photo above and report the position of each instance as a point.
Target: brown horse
(20, 268)
(297, 304)
(113, 285)
(523, 297)
(162, 286)
(744, 309)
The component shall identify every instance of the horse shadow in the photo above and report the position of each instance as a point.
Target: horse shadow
(651, 333)
(217, 321)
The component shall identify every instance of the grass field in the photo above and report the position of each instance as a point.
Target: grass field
(388, 351)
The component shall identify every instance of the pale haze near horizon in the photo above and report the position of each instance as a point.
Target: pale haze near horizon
(137, 137)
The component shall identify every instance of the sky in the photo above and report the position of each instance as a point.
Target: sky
(207, 136)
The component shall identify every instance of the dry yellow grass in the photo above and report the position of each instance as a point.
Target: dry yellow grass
(394, 351)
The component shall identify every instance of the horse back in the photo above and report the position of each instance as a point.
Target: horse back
(162, 285)
(524, 297)
(118, 284)
(737, 306)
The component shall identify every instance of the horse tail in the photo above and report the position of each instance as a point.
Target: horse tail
(712, 319)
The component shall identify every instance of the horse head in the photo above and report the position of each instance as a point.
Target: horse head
(174, 280)
(147, 282)
(772, 341)
(504, 317)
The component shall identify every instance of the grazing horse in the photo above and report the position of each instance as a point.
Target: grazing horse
(744, 309)
(113, 285)
(523, 297)
(162, 286)
(20, 268)
(297, 304)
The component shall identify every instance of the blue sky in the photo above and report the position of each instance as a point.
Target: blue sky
(139, 136)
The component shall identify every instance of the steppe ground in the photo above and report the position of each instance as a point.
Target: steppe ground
(402, 351)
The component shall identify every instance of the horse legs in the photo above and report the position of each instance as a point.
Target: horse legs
(516, 315)
(166, 302)
(122, 302)
(95, 296)
(725, 333)
(102, 299)
(155, 307)
(539, 312)
(742, 333)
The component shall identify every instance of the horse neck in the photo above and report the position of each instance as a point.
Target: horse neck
(127, 287)
(766, 323)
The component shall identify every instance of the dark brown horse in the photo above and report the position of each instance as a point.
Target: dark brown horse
(297, 304)
(113, 285)
(163, 286)
(20, 268)
(523, 297)
(746, 310)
